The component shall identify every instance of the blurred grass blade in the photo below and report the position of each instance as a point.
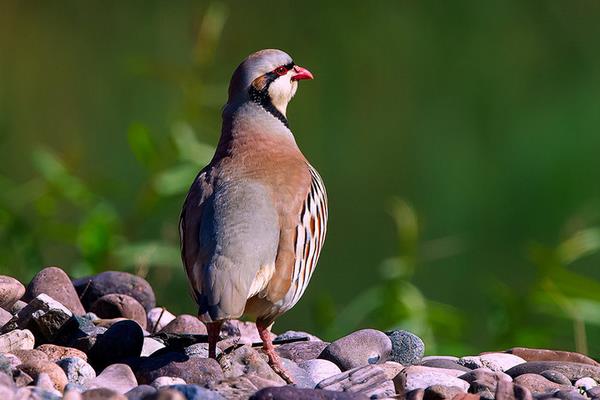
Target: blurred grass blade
(141, 144)
(583, 243)
(175, 180)
(188, 146)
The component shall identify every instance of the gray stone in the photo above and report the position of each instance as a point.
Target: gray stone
(288, 335)
(571, 370)
(11, 290)
(292, 393)
(246, 360)
(364, 380)
(319, 369)
(140, 392)
(115, 305)
(194, 370)
(5, 316)
(441, 392)
(55, 352)
(593, 392)
(407, 348)
(43, 316)
(360, 348)
(483, 380)
(18, 306)
(102, 394)
(150, 346)
(555, 377)
(158, 318)
(16, 340)
(195, 392)
(167, 381)
(54, 282)
(299, 376)
(122, 340)
(444, 363)
(117, 377)
(500, 361)
(585, 383)
(509, 390)
(77, 370)
(93, 287)
(199, 350)
(240, 387)
(185, 324)
(537, 383)
(419, 377)
(471, 362)
(43, 381)
(569, 394)
(35, 393)
(301, 351)
(7, 386)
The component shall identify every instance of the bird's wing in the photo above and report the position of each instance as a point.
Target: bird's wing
(309, 237)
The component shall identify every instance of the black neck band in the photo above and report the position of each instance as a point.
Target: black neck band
(262, 99)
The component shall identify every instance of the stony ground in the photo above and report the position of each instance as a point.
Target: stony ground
(102, 337)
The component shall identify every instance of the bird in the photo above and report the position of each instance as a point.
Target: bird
(254, 220)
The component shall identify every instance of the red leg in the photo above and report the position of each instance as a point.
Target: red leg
(213, 329)
(265, 335)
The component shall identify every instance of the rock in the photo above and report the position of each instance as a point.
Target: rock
(416, 394)
(364, 380)
(240, 387)
(35, 393)
(120, 305)
(43, 316)
(508, 391)
(55, 283)
(43, 381)
(443, 363)
(288, 335)
(466, 396)
(391, 369)
(299, 376)
(158, 318)
(7, 363)
(199, 350)
(360, 348)
(440, 392)
(168, 394)
(5, 316)
(500, 361)
(196, 370)
(71, 394)
(77, 370)
(7, 386)
(118, 377)
(482, 379)
(140, 392)
(407, 348)
(18, 306)
(319, 370)
(571, 370)
(187, 324)
(28, 356)
(123, 340)
(246, 330)
(419, 377)
(102, 394)
(246, 360)
(16, 340)
(93, 287)
(569, 394)
(537, 383)
(301, 351)
(292, 393)
(593, 392)
(585, 383)
(551, 355)
(56, 374)
(21, 378)
(195, 392)
(11, 290)
(150, 346)
(55, 352)
(166, 381)
(555, 377)
(471, 362)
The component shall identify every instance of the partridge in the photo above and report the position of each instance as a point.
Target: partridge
(254, 220)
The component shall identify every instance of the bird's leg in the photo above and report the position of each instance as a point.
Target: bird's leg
(264, 332)
(213, 329)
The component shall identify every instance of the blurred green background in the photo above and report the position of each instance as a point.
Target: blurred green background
(458, 141)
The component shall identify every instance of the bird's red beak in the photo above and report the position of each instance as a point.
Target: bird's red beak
(301, 73)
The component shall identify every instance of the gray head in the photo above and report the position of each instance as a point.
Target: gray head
(269, 77)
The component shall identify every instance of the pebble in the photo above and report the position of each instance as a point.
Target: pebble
(537, 383)
(185, 324)
(571, 370)
(91, 288)
(56, 374)
(151, 345)
(115, 305)
(11, 290)
(360, 348)
(593, 392)
(77, 370)
(18, 339)
(441, 392)
(43, 316)
(508, 390)
(55, 283)
(419, 377)
(34, 393)
(301, 351)
(444, 363)
(122, 340)
(299, 376)
(407, 348)
(140, 392)
(500, 361)
(55, 352)
(287, 335)
(7, 386)
(471, 362)
(555, 377)
(290, 392)
(586, 383)
(18, 306)
(102, 394)
(551, 355)
(240, 387)
(247, 360)
(191, 369)
(43, 381)
(194, 392)
(166, 381)
(319, 370)
(199, 350)
(5, 316)
(118, 377)
(32, 355)
(158, 318)
(364, 380)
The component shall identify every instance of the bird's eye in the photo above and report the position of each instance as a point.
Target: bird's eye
(281, 70)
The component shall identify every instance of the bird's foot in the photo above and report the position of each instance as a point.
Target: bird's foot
(276, 365)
